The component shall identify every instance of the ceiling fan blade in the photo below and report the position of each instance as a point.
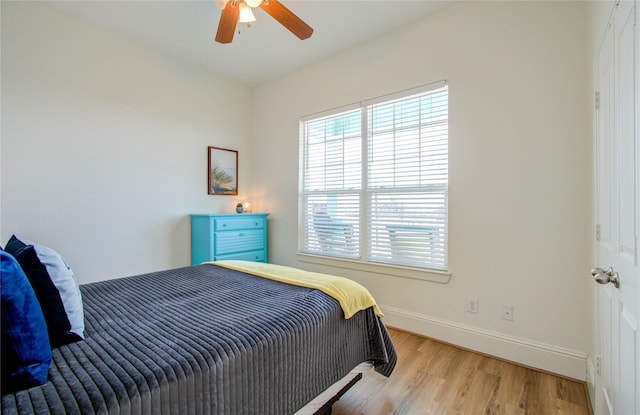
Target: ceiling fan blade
(286, 17)
(227, 25)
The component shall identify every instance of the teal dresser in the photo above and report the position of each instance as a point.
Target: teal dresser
(229, 236)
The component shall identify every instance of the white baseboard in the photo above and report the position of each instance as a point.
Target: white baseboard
(549, 358)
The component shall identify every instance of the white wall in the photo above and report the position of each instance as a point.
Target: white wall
(104, 143)
(520, 172)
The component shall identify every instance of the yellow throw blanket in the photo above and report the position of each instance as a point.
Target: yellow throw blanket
(352, 296)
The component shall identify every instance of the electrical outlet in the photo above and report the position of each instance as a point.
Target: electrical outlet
(472, 304)
(507, 312)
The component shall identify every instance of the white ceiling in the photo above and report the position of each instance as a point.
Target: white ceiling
(266, 50)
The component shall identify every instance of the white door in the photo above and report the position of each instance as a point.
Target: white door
(617, 204)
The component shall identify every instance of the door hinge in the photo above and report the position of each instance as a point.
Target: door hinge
(598, 365)
(598, 233)
(596, 100)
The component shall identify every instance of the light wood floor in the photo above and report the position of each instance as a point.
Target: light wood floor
(436, 378)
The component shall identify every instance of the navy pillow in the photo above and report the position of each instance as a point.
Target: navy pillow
(56, 288)
(26, 354)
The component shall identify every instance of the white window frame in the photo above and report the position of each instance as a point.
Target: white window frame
(366, 259)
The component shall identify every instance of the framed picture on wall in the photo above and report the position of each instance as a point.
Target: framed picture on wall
(223, 171)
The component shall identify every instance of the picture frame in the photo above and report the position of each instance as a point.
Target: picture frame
(222, 171)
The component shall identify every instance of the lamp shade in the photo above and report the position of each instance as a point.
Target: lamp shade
(253, 3)
(246, 15)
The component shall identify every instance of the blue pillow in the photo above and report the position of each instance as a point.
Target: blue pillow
(26, 354)
(56, 289)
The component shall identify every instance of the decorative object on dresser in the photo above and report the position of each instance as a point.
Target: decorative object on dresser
(228, 236)
(222, 175)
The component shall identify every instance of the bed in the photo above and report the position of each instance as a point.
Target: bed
(207, 339)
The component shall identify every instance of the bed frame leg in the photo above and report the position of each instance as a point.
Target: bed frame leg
(326, 408)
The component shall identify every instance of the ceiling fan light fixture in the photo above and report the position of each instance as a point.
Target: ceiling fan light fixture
(246, 14)
(240, 11)
(253, 3)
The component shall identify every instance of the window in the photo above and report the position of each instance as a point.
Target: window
(374, 180)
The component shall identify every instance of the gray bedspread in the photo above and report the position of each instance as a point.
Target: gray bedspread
(204, 340)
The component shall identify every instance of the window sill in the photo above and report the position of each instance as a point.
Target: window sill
(442, 277)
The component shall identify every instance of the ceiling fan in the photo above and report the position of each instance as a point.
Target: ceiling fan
(235, 10)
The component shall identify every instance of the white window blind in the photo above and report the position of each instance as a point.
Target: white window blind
(374, 180)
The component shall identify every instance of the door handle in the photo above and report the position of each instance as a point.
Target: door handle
(604, 277)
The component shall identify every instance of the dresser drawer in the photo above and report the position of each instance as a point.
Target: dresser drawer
(238, 241)
(256, 256)
(227, 224)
